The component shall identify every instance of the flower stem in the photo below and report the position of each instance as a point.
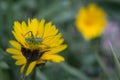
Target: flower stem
(34, 74)
(23, 77)
(116, 61)
(103, 66)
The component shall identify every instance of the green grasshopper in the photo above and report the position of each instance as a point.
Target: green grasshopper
(32, 39)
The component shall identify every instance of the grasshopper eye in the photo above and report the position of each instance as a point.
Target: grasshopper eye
(38, 40)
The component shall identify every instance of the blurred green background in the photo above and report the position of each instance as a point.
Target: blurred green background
(83, 60)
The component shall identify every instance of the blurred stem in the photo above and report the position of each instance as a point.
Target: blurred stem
(116, 61)
(98, 50)
(74, 71)
(24, 72)
(34, 74)
(103, 66)
(23, 77)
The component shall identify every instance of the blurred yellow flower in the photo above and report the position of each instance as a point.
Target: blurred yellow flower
(36, 43)
(91, 21)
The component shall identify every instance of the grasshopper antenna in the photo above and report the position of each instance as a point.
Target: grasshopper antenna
(31, 34)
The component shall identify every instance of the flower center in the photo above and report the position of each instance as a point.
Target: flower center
(89, 21)
(31, 55)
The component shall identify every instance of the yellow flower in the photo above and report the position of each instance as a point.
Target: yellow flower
(35, 44)
(91, 21)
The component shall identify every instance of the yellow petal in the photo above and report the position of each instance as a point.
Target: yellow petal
(15, 44)
(13, 51)
(20, 62)
(57, 43)
(17, 27)
(33, 26)
(51, 40)
(40, 61)
(47, 28)
(50, 30)
(30, 68)
(41, 28)
(57, 49)
(53, 58)
(18, 57)
(22, 68)
(24, 28)
(19, 38)
(54, 30)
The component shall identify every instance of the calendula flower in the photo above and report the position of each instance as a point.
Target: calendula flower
(35, 44)
(91, 21)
